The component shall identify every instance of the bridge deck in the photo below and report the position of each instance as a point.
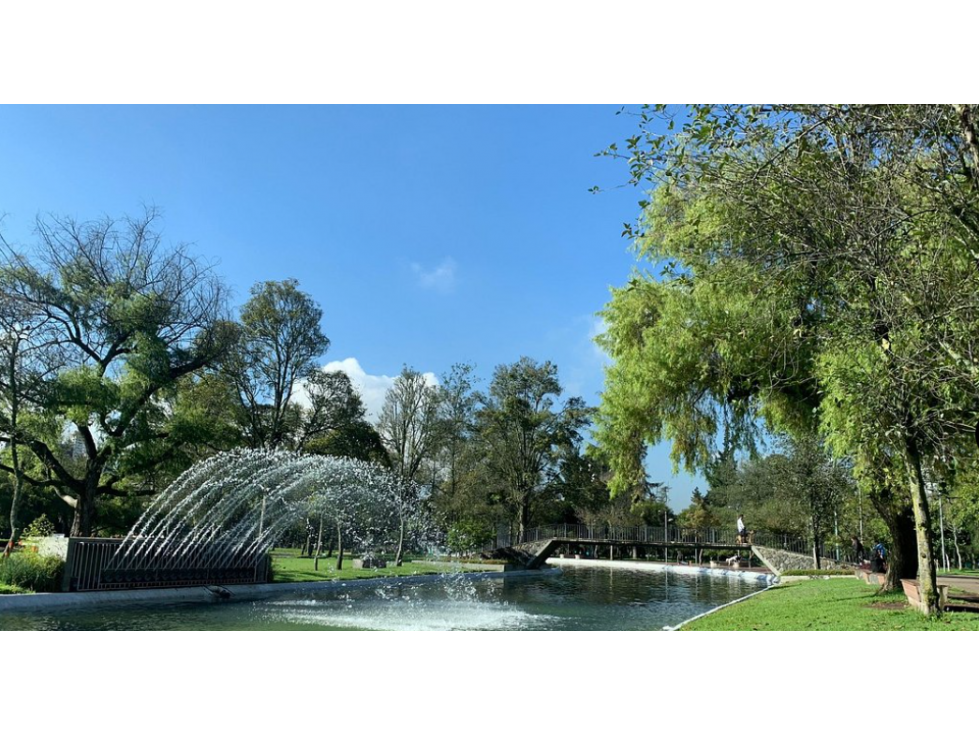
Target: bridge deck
(532, 548)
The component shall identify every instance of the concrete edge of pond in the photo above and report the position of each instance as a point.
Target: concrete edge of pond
(242, 592)
(652, 565)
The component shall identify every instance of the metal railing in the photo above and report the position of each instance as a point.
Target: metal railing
(646, 534)
(93, 564)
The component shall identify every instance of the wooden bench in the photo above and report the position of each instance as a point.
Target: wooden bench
(913, 594)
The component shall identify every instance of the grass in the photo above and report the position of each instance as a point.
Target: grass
(11, 589)
(959, 572)
(287, 566)
(838, 604)
(819, 572)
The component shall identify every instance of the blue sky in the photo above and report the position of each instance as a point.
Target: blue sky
(429, 235)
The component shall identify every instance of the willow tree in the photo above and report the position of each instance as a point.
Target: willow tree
(125, 319)
(856, 223)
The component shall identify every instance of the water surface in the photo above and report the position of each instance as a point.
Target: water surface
(574, 599)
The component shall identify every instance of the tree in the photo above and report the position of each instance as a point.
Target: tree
(806, 477)
(699, 515)
(126, 319)
(408, 421)
(863, 220)
(356, 440)
(334, 404)
(456, 451)
(279, 341)
(21, 371)
(408, 427)
(524, 432)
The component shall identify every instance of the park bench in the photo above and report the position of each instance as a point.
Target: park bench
(913, 593)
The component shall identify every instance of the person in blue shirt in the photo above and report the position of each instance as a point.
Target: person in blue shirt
(878, 556)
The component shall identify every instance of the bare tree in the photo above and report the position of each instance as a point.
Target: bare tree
(408, 427)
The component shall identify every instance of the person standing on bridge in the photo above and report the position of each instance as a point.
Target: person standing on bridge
(742, 531)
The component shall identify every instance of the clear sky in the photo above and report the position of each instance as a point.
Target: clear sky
(429, 235)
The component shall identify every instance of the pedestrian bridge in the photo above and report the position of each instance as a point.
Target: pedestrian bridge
(533, 547)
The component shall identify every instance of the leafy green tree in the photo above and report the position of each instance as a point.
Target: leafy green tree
(278, 343)
(805, 477)
(524, 431)
(456, 450)
(860, 220)
(581, 485)
(334, 405)
(355, 440)
(699, 515)
(468, 536)
(125, 320)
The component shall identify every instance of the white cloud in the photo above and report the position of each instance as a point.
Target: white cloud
(372, 388)
(597, 328)
(582, 369)
(441, 279)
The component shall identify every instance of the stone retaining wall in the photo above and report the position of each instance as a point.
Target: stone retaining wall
(782, 560)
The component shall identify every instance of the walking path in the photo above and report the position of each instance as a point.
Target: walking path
(968, 584)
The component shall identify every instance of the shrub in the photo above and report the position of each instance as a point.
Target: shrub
(40, 528)
(31, 571)
(468, 536)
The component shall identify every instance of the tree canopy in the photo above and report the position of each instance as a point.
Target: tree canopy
(817, 270)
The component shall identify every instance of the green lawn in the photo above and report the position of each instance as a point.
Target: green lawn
(832, 604)
(288, 566)
(11, 589)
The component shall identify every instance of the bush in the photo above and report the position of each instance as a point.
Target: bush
(31, 571)
(468, 536)
(40, 528)
(818, 572)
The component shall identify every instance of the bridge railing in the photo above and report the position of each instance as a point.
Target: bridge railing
(703, 537)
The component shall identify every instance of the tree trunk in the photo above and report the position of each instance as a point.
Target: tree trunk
(902, 559)
(307, 550)
(339, 548)
(524, 518)
(815, 542)
(14, 457)
(84, 518)
(958, 552)
(927, 577)
(968, 127)
(14, 500)
(319, 546)
(401, 543)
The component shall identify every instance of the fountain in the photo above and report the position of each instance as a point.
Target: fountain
(218, 520)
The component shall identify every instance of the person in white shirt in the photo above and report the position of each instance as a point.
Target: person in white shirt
(742, 533)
